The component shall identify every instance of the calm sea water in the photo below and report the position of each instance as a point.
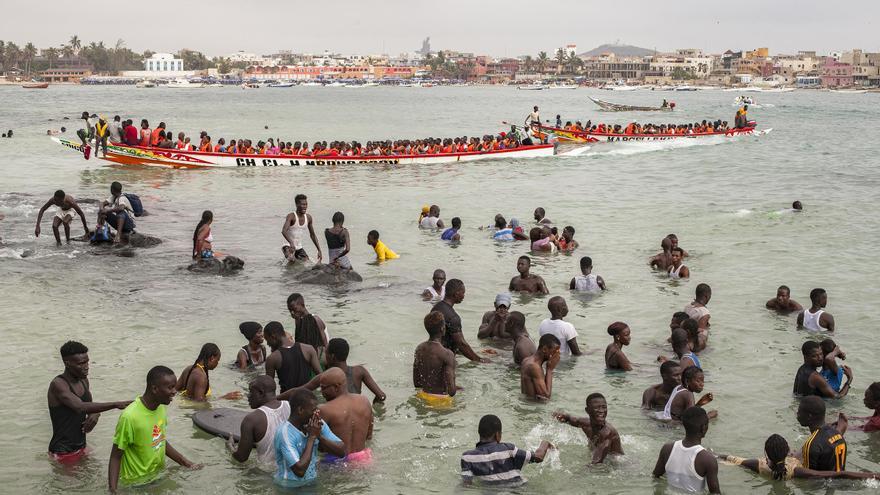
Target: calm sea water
(722, 199)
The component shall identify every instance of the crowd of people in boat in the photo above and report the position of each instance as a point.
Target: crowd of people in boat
(100, 131)
(703, 127)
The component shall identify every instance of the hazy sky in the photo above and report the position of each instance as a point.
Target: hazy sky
(500, 28)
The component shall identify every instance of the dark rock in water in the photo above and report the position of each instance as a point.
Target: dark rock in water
(214, 266)
(134, 240)
(328, 275)
(27, 252)
(89, 201)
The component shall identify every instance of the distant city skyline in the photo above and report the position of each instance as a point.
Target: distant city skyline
(498, 29)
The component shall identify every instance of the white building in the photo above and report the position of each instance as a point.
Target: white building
(163, 62)
(254, 59)
(699, 66)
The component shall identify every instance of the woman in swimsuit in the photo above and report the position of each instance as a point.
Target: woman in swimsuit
(615, 359)
(203, 246)
(194, 382)
(253, 353)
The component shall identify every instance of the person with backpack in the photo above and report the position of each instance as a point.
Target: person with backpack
(119, 211)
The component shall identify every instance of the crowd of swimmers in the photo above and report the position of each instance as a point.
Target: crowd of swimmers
(288, 427)
(98, 131)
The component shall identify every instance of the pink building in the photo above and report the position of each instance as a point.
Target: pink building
(836, 74)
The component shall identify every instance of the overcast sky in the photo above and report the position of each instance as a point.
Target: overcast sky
(499, 28)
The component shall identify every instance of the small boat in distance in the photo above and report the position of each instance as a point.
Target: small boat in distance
(184, 84)
(614, 107)
(145, 84)
(35, 85)
(532, 87)
(282, 85)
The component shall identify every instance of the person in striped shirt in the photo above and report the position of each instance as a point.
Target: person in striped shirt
(495, 463)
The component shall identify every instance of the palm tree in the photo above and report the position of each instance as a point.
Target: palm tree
(13, 54)
(117, 52)
(29, 52)
(573, 62)
(543, 60)
(2, 52)
(75, 44)
(528, 63)
(560, 60)
(66, 51)
(51, 55)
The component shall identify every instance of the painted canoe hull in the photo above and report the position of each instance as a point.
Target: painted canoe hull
(620, 138)
(135, 155)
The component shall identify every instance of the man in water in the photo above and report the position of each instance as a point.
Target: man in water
(295, 226)
(687, 465)
(567, 242)
(494, 463)
(661, 261)
(783, 302)
(682, 396)
(674, 239)
(697, 309)
(601, 435)
(825, 448)
(258, 427)
(587, 281)
(438, 287)
(678, 270)
(309, 328)
(298, 440)
(797, 206)
(523, 346)
(349, 416)
(493, 324)
(677, 319)
(562, 330)
(63, 216)
(656, 396)
(533, 118)
(383, 252)
(140, 443)
(540, 217)
(295, 363)
(452, 233)
(117, 213)
(71, 409)
(434, 364)
(536, 382)
(808, 381)
(681, 348)
(432, 221)
(816, 318)
(356, 376)
(527, 282)
(453, 339)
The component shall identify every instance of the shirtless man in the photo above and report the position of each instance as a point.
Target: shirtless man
(526, 282)
(536, 382)
(71, 410)
(350, 416)
(697, 309)
(656, 396)
(681, 347)
(540, 219)
(816, 318)
(677, 270)
(258, 427)
(674, 239)
(454, 337)
(533, 118)
(661, 261)
(64, 215)
(601, 435)
(493, 324)
(682, 396)
(523, 346)
(434, 364)
(783, 303)
(295, 226)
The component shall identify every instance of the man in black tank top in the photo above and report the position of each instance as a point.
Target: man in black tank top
(808, 381)
(71, 409)
(825, 448)
(295, 363)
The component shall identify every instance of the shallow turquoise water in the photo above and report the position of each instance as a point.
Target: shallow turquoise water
(721, 199)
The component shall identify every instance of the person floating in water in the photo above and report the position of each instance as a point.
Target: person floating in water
(601, 435)
(67, 207)
(783, 302)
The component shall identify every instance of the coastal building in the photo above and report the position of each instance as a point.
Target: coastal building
(314, 72)
(611, 68)
(65, 74)
(164, 63)
(689, 63)
(836, 74)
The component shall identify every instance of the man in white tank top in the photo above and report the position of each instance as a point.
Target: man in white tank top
(685, 463)
(816, 319)
(258, 428)
(296, 224)
(587, 281)
(432, 221)
(437, 290)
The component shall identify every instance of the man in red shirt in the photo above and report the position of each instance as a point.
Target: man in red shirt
(130, 133)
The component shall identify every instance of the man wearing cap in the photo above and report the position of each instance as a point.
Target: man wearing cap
(492, 326)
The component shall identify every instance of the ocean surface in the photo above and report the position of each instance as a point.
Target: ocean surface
(726, 199)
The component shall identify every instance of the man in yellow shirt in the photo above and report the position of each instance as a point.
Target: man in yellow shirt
(382, 251)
